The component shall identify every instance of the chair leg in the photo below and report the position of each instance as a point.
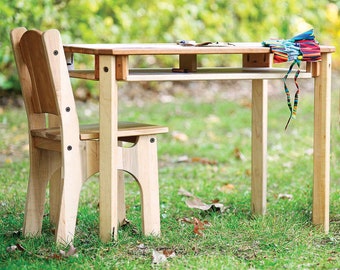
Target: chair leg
(65, 188)
(148, 180)
(55, 185)
(141, 161)
(65, 229)
(72, 179)
(121, 193)
(121, 198)
(40, 172)
(55, 196)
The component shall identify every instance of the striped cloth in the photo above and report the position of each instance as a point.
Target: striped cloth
(302, 47)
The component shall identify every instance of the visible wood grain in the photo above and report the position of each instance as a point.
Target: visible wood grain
(141, 162)
(122, 67)
(313, 68)
(66, 154)
(166, 74)
(91, 131)
(322, 122)
(83, 74)
(259, 146)
(188, 62)
(257, 60)
(171, 49)
(108, 180)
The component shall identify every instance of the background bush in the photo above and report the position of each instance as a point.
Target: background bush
(119, 21)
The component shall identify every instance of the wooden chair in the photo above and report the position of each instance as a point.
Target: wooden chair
(66, 154)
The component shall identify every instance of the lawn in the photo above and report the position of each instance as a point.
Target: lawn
(205, 155)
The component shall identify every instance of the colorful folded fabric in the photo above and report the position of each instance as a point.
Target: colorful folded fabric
(302, 47)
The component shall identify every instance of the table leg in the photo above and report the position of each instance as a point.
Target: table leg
(108, 176)
(259, 146)
(322, 119)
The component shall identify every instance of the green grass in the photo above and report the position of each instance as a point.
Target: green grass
(283, 238)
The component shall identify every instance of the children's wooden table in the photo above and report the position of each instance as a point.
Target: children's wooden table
(111, 65)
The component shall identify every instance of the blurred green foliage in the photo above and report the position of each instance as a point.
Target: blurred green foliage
(123, 21)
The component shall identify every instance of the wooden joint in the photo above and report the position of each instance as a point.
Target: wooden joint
(96, 67)
(69, 61)
(48, 144)
(313, 68)
(257, 60)
(122, 67)
(188, 62)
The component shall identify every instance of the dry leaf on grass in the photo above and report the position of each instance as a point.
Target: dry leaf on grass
(161, 256)
(125, 222)
(142, 249)
(227, 188)
(13, 233)
(196, 203)
(184, 158)
(285, 196)
(238, 154)
(186, 220)
(201, 160)
(331, 259)
(158, 257)
(199, 225)
(184, 192)
(179, 136)
(16, 247)
(72, 252)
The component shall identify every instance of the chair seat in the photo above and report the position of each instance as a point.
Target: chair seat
(91, 131)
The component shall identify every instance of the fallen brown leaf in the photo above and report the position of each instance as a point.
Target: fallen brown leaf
(72, 252)
(186, 220)
(142, 249)
(184, 192)
(125, 222)
(331, 259)
(20, 247)
(55, 256)
(215, 201)
(203, 161)
(199, 226)
(158, 257)
(14, 233)
(227, 188)
(180, 136)
(285, 196)
(196, 203)
(11, 248)
(161, 256)
(169, 253)
(238, 154)
(245, 103)
(15, 247)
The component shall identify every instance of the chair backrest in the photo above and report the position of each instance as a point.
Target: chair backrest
(44, 78)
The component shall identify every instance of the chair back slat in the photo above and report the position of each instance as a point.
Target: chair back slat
(35, 120)
(33, 52)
